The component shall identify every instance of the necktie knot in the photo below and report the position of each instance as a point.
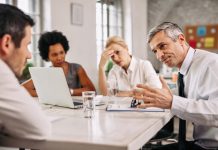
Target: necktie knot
(180, 75)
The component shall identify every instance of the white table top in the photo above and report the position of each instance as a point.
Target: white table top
(107, 130)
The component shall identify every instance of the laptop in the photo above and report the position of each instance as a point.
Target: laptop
(51, 87)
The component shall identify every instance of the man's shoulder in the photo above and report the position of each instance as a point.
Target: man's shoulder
(203, 55)
(4, 67)
(6, 73)
(205, 60)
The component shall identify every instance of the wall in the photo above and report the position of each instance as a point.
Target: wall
(140, 16)
(127, 19)
(139, 27)
(82, 38)
(182, 12)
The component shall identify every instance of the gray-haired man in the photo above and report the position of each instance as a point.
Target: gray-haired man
(200, 69)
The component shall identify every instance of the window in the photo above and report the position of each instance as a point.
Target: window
(32, 8)
(109, 22)
(6, 1)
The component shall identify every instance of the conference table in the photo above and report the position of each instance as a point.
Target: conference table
(117, 130)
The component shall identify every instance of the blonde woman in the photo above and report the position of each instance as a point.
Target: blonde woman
(127, 71)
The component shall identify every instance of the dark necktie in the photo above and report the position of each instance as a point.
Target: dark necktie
(182, 123)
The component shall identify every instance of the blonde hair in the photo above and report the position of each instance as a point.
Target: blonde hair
(116, 40)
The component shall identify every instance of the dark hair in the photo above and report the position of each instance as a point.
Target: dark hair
(13, 21)
(50, 38)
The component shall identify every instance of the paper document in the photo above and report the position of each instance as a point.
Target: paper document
(116, 107)
(99, 100)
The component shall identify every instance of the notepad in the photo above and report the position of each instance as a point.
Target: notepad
(117, 107)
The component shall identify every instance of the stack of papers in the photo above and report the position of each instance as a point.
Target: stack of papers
(116, 107)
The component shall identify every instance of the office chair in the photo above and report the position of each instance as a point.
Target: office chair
(167, 132)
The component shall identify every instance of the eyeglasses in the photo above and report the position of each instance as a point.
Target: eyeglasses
(134, 103)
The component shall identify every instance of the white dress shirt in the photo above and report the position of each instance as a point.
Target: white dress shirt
(200, 70)
(139, 72)
(20, 116)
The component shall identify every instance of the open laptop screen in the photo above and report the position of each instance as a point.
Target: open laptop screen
(51, 86)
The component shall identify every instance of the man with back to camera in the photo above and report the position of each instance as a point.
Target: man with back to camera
(20, 116)
(199, 69)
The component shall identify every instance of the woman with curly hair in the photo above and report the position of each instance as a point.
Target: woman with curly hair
(53, 47)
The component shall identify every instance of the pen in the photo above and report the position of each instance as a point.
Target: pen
(135, 103)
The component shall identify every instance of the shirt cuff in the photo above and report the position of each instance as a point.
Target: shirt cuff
(71, 91)
(179, 106)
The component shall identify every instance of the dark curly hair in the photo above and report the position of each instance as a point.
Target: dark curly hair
(50, 38)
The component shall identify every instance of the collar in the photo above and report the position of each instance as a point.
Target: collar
(131, 67)
(187, 61)
(132, 64)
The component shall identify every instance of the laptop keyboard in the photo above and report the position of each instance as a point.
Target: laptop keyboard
(77, 103)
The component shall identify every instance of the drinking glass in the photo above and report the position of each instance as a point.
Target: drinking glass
(113, 90)
(88, 104)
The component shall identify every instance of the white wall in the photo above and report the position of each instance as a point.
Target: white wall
(135, 26)
(139, 27)
(82, 38)
(127, 23)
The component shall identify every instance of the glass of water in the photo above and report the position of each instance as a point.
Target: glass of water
(113, 90)
(88, 104)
